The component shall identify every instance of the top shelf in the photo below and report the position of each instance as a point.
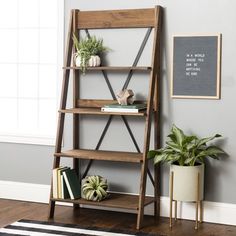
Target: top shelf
(111, 68)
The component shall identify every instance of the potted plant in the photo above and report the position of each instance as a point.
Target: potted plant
(186, 154)
(88, 51)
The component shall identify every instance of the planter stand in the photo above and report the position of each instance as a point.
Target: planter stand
(199, 206)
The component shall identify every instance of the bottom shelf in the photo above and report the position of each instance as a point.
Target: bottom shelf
(115, 200)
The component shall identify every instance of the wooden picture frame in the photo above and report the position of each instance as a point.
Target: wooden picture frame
(196, 66)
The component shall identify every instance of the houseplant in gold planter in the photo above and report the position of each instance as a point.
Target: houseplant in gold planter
(186, 155)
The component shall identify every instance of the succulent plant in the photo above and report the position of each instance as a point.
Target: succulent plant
(87, 47)
(94, 188)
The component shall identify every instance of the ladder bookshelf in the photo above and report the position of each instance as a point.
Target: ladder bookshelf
(133, 18)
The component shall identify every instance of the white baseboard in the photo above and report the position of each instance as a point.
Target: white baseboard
(24, 191)
(214, 212)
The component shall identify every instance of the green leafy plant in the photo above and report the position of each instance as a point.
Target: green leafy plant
(87, 47)
(95, 188)
(185, 150)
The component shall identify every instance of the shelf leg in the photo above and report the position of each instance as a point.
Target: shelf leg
(197, 201)
(196, 223)
(171, 195)
(201, 211)
(157, 191)
(61, 117)
(76, 166)
(175, 210)
(142, 195)
(56, 164)
(51, 209)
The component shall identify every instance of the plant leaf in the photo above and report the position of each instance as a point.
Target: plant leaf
(173, 146)
(189, 139)
(178, 133)
(152, 153)
(210, 151)
(159, 158)
(172, 137)
(203, 141)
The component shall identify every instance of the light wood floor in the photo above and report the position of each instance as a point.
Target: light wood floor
(11, 211)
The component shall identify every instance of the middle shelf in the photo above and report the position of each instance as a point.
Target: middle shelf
(133, 157)
(97, 111)
(111, 68)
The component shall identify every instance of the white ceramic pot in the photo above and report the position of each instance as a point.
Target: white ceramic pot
(185, 182)
(78, 61)
(92, 62)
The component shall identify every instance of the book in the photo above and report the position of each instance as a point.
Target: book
(59, 173)
(72, 183)
(134, 108)
(64, 190)
(60, 182)
(55, 182)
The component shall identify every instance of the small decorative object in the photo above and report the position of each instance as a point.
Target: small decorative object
(94, 188)
(186, 155)
(92, 62)
(88, 51)
(125, 97)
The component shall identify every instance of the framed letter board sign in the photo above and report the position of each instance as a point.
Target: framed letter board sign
(196, 66)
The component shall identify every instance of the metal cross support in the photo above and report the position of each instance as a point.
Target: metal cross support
(127, 81)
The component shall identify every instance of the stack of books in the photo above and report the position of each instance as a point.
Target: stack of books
(65, 183)
(133, 108)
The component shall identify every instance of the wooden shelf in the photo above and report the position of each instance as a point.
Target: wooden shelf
(111, 19)
(111, 68)
(115, 200)
(97, 111)
(102, 155)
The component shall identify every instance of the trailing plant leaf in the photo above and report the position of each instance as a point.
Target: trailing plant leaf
(76, 42)
(185, 150)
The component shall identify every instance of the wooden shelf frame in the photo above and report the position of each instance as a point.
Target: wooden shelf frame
(132, 18)
(102, 155)
(112, 68)
(97, 111)
(115, 200)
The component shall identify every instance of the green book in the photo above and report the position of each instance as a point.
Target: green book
(64, 190)
(132, 106)
(72, 183)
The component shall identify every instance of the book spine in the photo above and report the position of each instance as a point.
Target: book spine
(106, 109)
(121, 107)
(54, 183)
(59, 183)
(62, 187)
(68, 186)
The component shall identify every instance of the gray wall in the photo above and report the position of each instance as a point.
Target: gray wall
(30, 163)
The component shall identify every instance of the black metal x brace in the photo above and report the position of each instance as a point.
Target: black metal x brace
(130, 74)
